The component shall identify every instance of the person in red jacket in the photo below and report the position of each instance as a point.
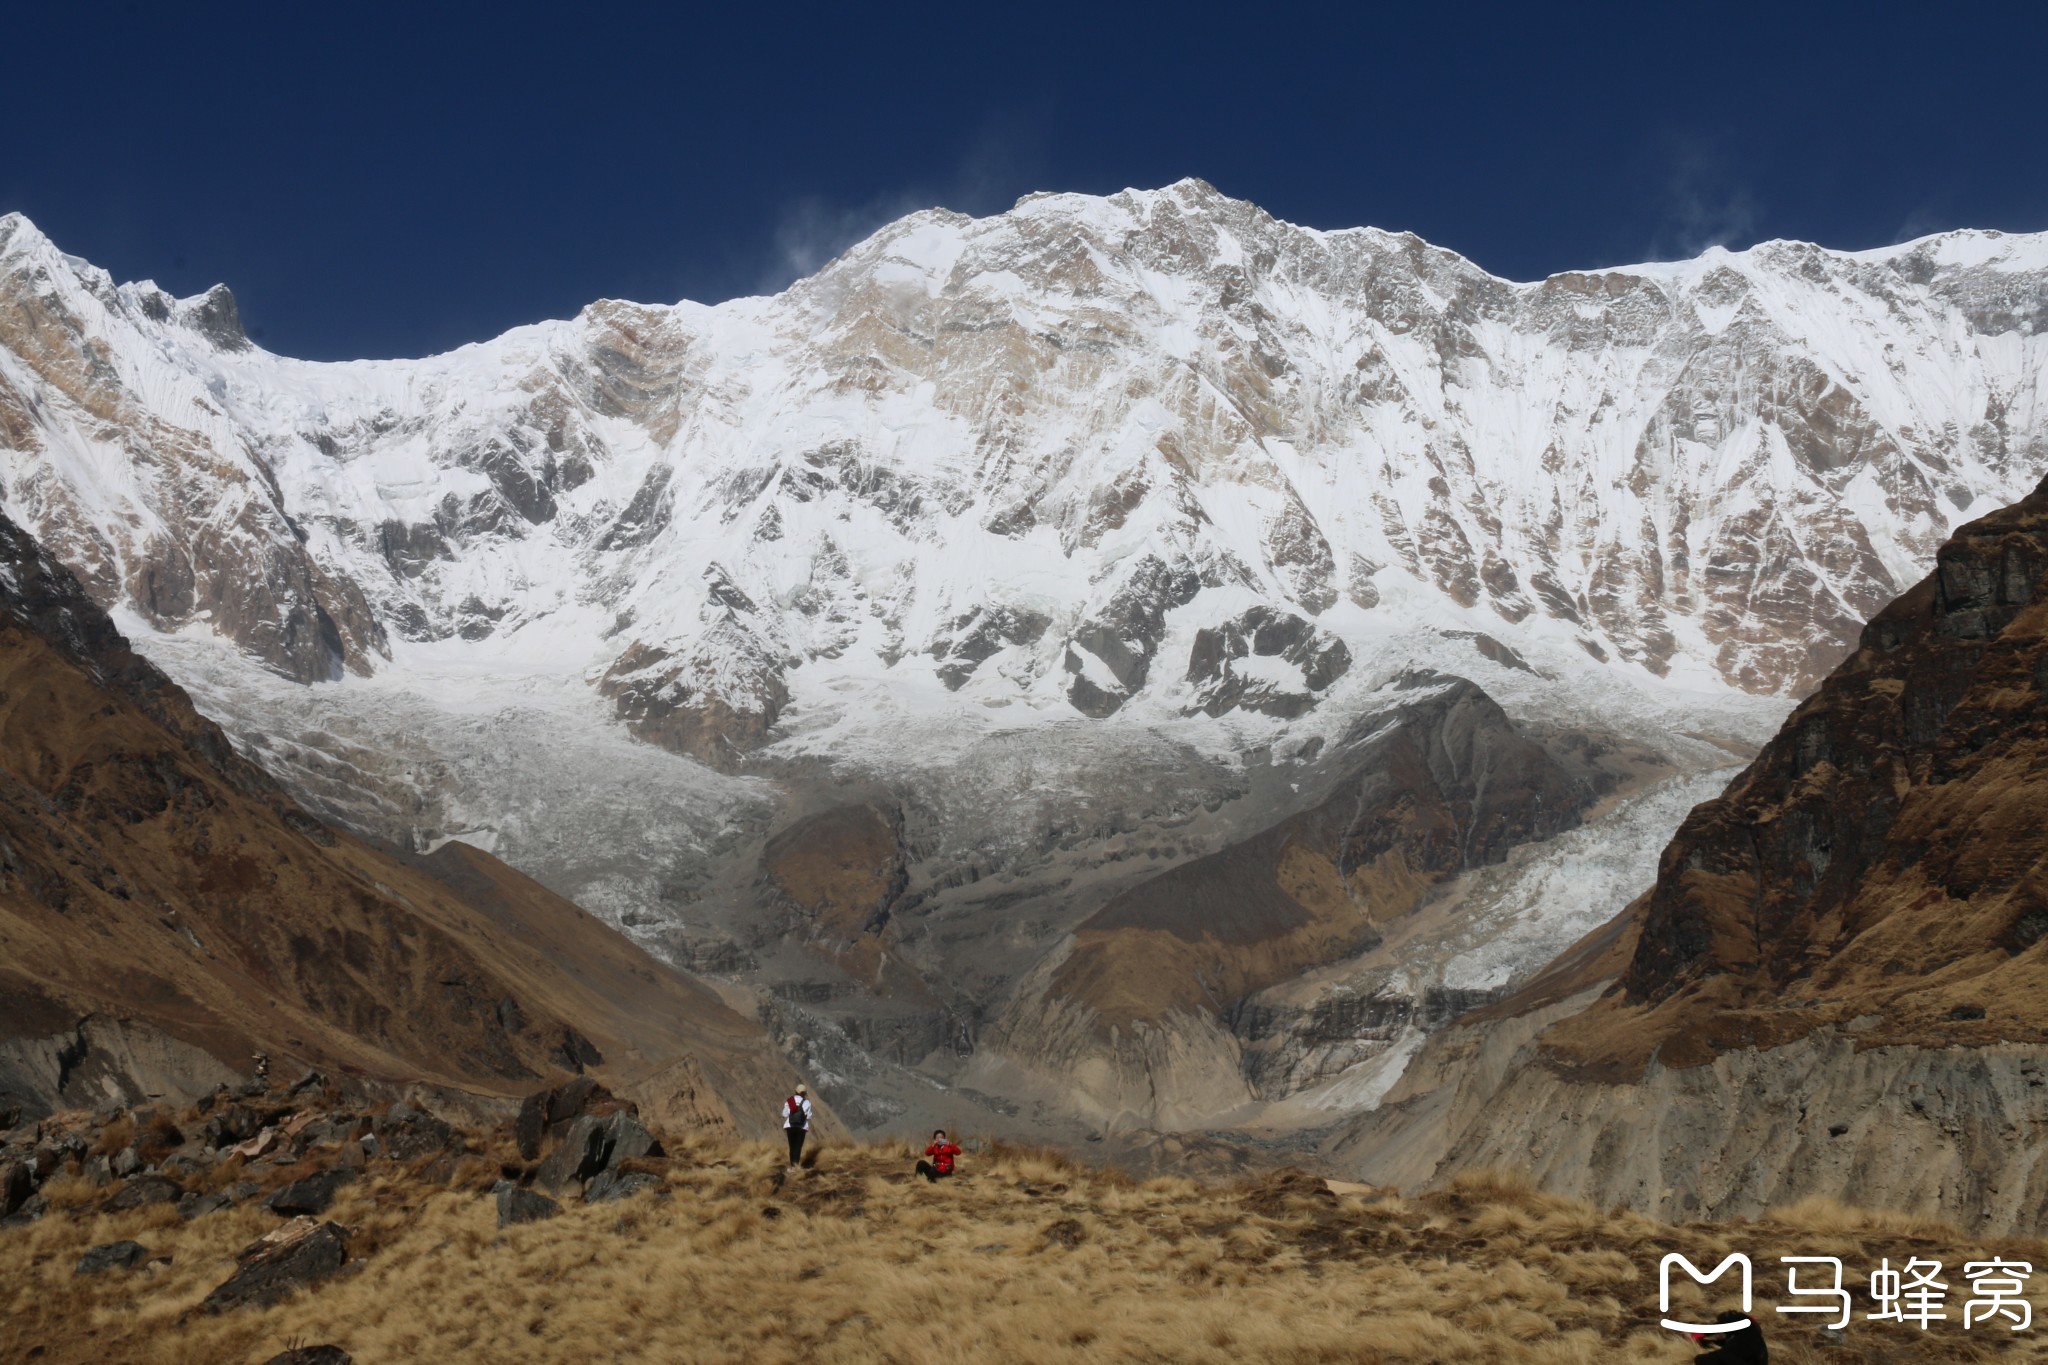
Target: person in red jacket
(941, 1153)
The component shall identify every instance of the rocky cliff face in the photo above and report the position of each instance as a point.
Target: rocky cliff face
(1841, 960)
(165, 909)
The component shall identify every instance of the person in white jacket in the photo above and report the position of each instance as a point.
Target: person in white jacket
(796, 1124)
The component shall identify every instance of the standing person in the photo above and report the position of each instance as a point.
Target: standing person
(941, 1153)
(796, 1122)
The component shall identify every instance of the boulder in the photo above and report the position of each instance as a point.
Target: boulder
(575, 1099)
(112, 1256)
(310, 1195)
(196, 1205)
(17, 1183)
(312, 1355)
(551, 1112)
(516, 1205)
(609, 1186)
(299, 1254)
(593, 1145)
(578, 1156)
(142, 1192)
(32, 1208)
(407, 1133)
(627, 1140)
(532, 1124)
(232, 1124)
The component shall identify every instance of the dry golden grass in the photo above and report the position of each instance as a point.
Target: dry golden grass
(1026, 1257)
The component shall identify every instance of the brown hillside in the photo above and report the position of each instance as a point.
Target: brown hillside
(1452, 785)
(707, 1250)
(1880, 866)
(156, 886)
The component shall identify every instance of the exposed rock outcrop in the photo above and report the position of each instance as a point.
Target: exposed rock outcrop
(1837, 984)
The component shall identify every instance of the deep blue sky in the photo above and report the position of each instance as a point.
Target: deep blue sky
(389, 182)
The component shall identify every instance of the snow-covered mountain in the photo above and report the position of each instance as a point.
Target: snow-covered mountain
(1065, 540)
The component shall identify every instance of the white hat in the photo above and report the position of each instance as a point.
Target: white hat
(801, 1089)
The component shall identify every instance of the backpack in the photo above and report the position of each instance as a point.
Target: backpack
(797, 1121)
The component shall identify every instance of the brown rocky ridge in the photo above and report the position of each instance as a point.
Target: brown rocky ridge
(166, 910)
(1838, 983)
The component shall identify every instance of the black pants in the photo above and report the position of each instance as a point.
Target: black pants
(796, 1143)
(931, 1172)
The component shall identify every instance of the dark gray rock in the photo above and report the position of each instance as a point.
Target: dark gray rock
(215, 317)
(574, 1100)
(17, 1183)
(292, 1258)
(408, 1133)
(112, 1256)
(532, 1124)
(311, 1195)
(580, 1154)
(142, 1192)
(522, 1206)
(609, 1186)
(196, 1205)
(242, 1189)
(576, 1052)
(312, 1355)
(32, 1208)
(232, 1124)
(627, 1140)
(182, 1166)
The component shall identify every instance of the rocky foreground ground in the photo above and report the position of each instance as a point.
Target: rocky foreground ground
(305, 1224)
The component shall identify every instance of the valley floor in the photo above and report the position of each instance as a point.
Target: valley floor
(1024, 1257)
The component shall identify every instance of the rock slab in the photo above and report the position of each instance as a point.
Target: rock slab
(297, 1255)
(516, 1205)
(112, 1256)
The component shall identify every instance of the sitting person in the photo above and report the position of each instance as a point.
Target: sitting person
(1744, 1346)
(941, 1153)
